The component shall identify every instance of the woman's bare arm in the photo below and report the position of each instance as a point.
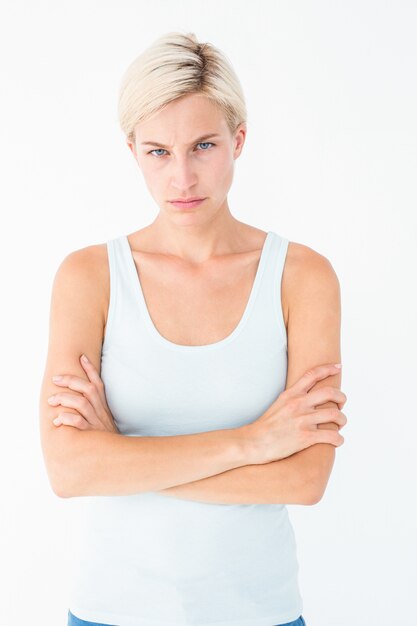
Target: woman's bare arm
(104, 463)
(287, 481)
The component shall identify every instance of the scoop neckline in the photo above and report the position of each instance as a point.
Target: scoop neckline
(204, 347)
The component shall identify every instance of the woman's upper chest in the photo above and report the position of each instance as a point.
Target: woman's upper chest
(197, 304)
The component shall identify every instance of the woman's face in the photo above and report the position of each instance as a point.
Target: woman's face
(178, 159)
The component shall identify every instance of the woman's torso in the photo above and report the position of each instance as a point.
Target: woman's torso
(153, 559)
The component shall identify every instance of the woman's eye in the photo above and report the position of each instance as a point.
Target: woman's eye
(202, 143)
(156, 150)
(205, 143)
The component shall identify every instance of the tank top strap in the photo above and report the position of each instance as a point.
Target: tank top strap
(122, 265)
(121, 282)
(268, 302)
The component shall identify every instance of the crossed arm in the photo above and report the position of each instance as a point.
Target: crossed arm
(313, 331)
(298, 479)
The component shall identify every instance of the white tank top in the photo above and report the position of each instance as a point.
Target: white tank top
(153, 560)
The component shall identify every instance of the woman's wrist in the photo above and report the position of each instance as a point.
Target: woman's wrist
(250, 444)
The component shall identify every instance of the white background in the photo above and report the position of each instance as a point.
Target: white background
(330, 161)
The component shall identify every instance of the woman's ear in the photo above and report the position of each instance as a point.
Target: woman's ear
(132, 146)
(239, 139)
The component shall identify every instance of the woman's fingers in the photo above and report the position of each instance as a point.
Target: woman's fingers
(92, 389)
(94, 377)
(325, 394)
(311, 377)
(90, 402)
(323, 416)
(74, 401)
(84, 387)
(76, 383)
(323, 435)
(72, 419)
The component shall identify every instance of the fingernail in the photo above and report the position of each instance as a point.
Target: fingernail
(84, 358)
(339, 365)
(56, 377)
(57, 421)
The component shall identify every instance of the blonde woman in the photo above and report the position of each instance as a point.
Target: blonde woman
(210, 398)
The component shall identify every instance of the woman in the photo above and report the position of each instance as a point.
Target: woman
(210, 398)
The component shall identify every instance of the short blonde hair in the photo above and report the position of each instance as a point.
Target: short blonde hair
(176, 64)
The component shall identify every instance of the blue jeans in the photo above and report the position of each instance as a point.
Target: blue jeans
(298, 622)
(76, 621)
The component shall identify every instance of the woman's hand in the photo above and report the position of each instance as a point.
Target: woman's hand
(92, 409)
(290, 423)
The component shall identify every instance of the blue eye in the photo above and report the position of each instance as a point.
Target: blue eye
(202, 143)
(205, 143)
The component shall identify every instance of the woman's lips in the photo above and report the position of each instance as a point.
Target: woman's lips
(188, 205)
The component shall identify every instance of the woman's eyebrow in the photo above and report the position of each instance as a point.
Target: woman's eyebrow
(161, 145)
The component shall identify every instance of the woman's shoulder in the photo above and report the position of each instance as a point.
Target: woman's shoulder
(303, 261)
(86, 271)
(89, 262)
(306, 273)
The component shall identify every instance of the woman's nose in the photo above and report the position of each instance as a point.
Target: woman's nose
(183, 175)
